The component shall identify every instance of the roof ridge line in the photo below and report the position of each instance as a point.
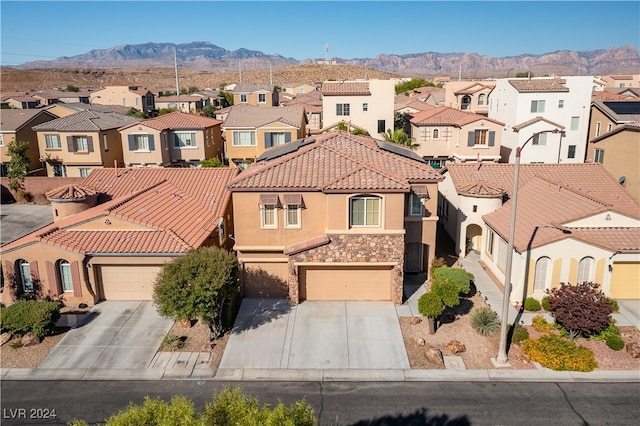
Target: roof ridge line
(126, 198)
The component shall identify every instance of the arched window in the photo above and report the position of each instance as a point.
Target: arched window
(436, 134)
(585, 270)
(481, 99)
(64, 270)
(541, 277)
(466, 101)
(25, 276)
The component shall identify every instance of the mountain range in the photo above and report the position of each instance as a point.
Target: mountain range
(206, 56)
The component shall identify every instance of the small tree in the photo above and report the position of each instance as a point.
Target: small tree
(18, 165)
(430, 305)
(209, 111)
(581, 309)
(459, 277)
(201, 284)
(398, 136)
(72, 88)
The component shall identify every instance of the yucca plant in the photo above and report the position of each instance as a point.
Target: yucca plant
(484, 320)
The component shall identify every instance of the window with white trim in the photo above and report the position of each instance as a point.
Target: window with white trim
(481, 99)
(262, 98)
(84, 171)
(81, 143)
(575, 123)
(585, 270)
(25, 276)
(292, 216)
(435, 134)
(66, 280)
(59, 170)
(542, 273)
(184, 140)
(268, 213)
(609, 127)
(572, 151)
(480, 136)
(598, 156)
(1, 139)
(502, 255)
(490, 238)
(343, 109)
(52, 142)
(423, 134)
(537, 106)
(416, 205)
(141, 142)
(597, 129)
(243, 98)
(244, 138)
(539, 139)
(364, 211)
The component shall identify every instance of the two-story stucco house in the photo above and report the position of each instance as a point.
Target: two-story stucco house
(447, 134)
(15, 125)
(176, 139)
(136, 97)
(296, 89)
(334, 217)
(367, 104)
(250, 130)
(574, 223)
(78, 143)
(471, 96)
(261, 95)
(528, 106)
(312, 103)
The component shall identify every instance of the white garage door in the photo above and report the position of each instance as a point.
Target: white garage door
(345, 283)
(625, 280)
(128, 282)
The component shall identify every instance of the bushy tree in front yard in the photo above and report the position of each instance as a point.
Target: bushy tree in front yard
(18, 165)
(36, 316)
(201, 284)
(581, 309)
(459, 277)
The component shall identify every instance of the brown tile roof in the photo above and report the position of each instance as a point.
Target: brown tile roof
(86, 121)
(337, 162)
(253, 87)
(604, 95)
(541, 85)
(481, 190)
(447, 116)
(177, 120)
(473, 88)
(71, 192)
(254, 116)
(333, 88)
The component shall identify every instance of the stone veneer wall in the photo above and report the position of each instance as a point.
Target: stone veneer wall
(343, 248)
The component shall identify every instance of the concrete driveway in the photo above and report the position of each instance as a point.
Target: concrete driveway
(112, 334)
(315, 335)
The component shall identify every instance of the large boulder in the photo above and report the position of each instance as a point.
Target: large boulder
(455, 347)
(433, 355)
(415, 320)
(633, 349)
(30, 339)
(4, 338)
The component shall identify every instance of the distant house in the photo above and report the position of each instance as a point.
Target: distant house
(607, 115)
(176, 139)
(65, 109)
(621, 80)
(407, 105)
(76, 144)
(182, 103)
(262, 95)
(15, 125)
(471, 96)
(334, 217)
(250, 130)
(312, 103)
(296, 89)
(136, 97)
(126, 224)
(367, 104)
(21, 102)
(447, 134)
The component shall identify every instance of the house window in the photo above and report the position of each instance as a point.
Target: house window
(416, 205)
(124, 101)
(572, 151)
(490, 238)
(276, 138)
(59, 170)
(365, 211)
(466, 101)
(149, 101)
(585, 270)
(542, 272)
(502, 255)
(599, 156)
(575, 123)
(52, 141)
(292, 216)
(480, 137)
(381, 125)
(481, 99)
(1, 139)
(435, 134)
(423, 134)
(609, 126)
(537, 106)
(268, 216)
(66, 281)
(84, 172)
(241, 164)
(243, 98)
(184, 140)
(244, 138)
(365, 107)
(561, 104)
(343, 109)
(262, 98)
(81, 143)
(140, 143)
(105, 142)
(597, 129)
(540, 139)
(25, 276)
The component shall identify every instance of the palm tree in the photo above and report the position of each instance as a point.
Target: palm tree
(398, 136)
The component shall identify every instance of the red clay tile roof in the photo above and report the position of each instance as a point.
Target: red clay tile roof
(336, 162)
(71, 192)
(446, 116)
(534, 120)
(177, 120)
(333, 88)
(541, 85)
(481, 190)
(473, 88)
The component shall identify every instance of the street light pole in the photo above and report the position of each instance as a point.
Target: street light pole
(502, 358)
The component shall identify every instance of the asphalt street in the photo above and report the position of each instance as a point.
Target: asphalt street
(347, 403)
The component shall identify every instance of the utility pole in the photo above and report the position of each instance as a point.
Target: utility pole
(175, 62)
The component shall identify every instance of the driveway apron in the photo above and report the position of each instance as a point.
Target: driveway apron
(316, 335)
(113, 334)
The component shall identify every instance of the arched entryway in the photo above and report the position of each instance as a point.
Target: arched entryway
(474, 237)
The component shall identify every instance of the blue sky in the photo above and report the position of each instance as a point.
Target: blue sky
(44, 30)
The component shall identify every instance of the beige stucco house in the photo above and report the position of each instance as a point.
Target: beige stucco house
(182, 103)
(176, 139)
(312, 103)
(574, 223)
(471, 96)
(250, 130)
(137, 97)
(296, 89)
(76, 144)
(334, 217)
(447, 134)
(114, 250)
(15, 125)
(261, 95)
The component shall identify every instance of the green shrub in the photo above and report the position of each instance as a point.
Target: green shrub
(545, 304)
(615, 342)
(436, 263)
(531, 304)
(614, 304)
(154, 411)
(484, 320)
(172, 342)
(447, 290)
(38, 317)
(559, 354)
(541, 324)
(430, 305)
(459, 277)
(611, 330)
(520, 334)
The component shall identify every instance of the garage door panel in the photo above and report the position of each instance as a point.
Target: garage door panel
(128, 282)
(266, 280)
(625, 280)
(345, 283)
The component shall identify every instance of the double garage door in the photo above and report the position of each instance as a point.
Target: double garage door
(625, 280)
(128, 282)
(345, 283)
